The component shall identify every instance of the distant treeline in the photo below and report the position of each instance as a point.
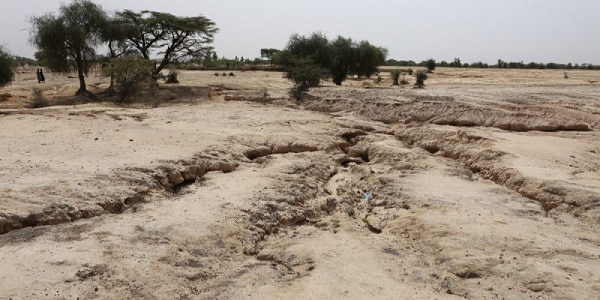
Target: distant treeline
(500, 65)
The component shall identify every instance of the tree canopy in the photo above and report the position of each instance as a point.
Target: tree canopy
(172, 38)
(339, 58)
(68, 39)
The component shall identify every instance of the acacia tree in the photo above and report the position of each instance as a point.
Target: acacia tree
(67, 40)
(173, 38)
(268, 53)
(114, 34)
(6, 67)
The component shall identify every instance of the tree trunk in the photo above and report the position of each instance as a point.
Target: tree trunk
(80, 73)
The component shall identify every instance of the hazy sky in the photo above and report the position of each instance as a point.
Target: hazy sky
(474, 30)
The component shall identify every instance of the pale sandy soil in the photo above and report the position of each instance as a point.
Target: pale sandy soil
(483, 185)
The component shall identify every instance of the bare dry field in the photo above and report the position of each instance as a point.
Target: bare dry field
(483, 185)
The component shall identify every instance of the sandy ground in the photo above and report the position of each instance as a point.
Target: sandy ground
(483, 185)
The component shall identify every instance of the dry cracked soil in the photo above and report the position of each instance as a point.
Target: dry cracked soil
(483, 185)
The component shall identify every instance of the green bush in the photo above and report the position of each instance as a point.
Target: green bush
(430, 65)
(131, 74)
(38, 98)
(305, 74)
(7, 65)
(421, 77)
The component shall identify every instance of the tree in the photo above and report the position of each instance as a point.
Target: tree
(268, 53)
(368, 58)
(7, 64)
(173, 38)
(115, 33)
(67, 40)
(337, 59)
(430, 64)
(316, 47)
(343, 57)
(456, 63)
(305, 73)
(421, 76)
(130, 73)
(306, 60)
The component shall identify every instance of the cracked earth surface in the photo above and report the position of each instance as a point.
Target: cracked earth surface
(484, 192)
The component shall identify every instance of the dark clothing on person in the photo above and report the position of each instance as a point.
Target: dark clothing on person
(40, 76)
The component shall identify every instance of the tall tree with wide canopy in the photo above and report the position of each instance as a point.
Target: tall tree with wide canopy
(173, 38)
(67, 40)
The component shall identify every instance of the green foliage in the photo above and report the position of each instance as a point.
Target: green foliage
(421, 76)
(367, 59)
(400, 63)
(395, 74)
(316, 47)
(176, 38)
(7, 65)
(430, 64)
(268, 53)
(171, 77)
(343, 57)
(67, 40)
(305, 73)
(131, 74)
(38, 98)
(337, 59)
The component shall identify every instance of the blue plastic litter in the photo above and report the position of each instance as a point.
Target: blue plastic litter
(367, 197)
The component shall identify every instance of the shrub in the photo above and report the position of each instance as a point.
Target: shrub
(217, 74)
(38, 98)
(430, 65)
(421, 77)
(264, 95)
(305, 74)
(171, 77)
(7, 64)
(395, 76)
(131, 74)
(231, 74)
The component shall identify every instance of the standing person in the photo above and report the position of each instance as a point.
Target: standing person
(42, 77)
(39, 78)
